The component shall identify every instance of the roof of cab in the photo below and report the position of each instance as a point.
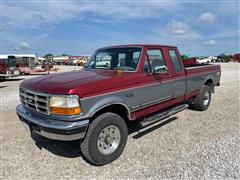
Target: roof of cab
(139, 45)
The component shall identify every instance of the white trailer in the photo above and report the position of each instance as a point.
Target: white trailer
(60, 59)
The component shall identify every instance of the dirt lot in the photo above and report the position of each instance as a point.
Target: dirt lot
(189, 145)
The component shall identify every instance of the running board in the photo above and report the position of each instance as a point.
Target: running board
(155, 118)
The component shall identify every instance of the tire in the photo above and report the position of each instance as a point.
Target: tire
(200, 102)
(16, 72)
(94, 143)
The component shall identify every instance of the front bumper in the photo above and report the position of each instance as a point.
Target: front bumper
(52, 128)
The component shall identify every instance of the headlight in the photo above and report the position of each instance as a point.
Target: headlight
(64, 105)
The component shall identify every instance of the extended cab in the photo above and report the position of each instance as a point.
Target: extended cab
(142, 83)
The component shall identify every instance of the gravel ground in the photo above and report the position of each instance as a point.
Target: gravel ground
(189, 145)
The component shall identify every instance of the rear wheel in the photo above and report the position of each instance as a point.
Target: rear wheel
(202, 101)
(105, 139)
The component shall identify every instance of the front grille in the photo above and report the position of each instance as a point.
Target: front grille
(35, 100)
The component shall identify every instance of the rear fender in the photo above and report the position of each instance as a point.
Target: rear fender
(209, 78)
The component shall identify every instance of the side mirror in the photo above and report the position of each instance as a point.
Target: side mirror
(159, 69)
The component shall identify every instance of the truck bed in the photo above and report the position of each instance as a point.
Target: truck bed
(201, 68)
(198, 73)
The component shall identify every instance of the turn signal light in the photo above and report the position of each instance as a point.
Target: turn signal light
(65, 111)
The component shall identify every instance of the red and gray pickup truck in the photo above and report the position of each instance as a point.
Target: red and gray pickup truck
(143, 83)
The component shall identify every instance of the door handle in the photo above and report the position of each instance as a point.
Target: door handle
(169, 75)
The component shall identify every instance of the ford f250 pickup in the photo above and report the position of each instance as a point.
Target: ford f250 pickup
(143, 83)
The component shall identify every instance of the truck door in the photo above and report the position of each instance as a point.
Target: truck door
(178, 72)
(157, 83)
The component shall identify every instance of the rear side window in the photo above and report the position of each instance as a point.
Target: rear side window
(175, 60)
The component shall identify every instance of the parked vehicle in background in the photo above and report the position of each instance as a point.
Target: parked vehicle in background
(41, 60)
(212, 58)
(236, 57)
(224, 58)
(8, 66)
(103, 60)
(82, 61)
(143, 83)
(47, 65)
(61, 60)
(190, 61)
(72, 61)
(203, 60)
(78, 60)
(65, 62)
(103, 63)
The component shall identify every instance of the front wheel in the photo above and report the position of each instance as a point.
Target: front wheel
(105, 139)
(202, 101)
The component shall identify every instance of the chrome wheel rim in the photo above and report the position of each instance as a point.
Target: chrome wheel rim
(109, 140)
(206, 98)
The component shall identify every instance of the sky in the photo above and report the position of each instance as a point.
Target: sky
(207, 27)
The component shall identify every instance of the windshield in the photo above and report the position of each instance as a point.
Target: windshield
(125, 59)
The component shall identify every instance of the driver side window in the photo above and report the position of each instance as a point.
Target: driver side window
(153, 58)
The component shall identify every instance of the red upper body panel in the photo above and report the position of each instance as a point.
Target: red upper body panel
(83, 82)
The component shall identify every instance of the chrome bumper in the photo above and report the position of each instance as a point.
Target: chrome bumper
(52, 128)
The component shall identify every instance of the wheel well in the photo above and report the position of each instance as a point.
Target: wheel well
(209, 82)
(118, 109)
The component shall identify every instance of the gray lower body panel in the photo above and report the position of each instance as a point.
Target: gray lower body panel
(52, 129)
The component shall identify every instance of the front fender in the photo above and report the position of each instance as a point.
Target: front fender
(92, 105)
